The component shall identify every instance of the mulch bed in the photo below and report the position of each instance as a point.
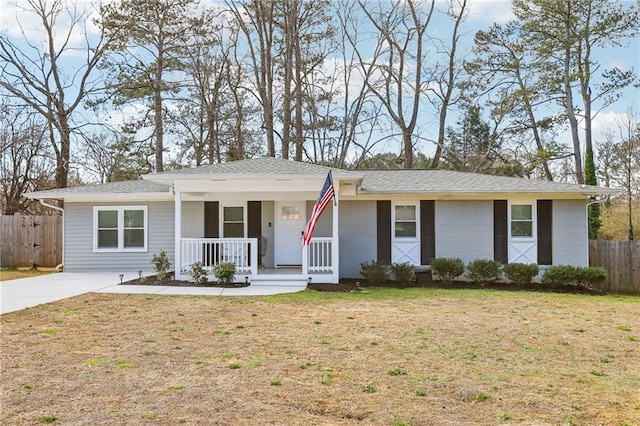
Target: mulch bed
(348, 285)
(169, 281)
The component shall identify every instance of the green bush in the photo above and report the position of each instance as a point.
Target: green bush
(375, 272)
(403, 272)
(447, 269)
(559, 275)
(581, 276)
(520, 273)
(590, 277)
(484, 271)
(161, 264)
(225, 272)
(198, 273)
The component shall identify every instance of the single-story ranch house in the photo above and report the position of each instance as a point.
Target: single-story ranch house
(253, 212)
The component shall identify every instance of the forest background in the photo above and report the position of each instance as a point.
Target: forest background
(544, 89)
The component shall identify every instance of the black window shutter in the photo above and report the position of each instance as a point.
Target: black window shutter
(211, 230)
(427, 231)
(545, 222)
(254, 219)
(500, 231)
(211, 219)
(383, 230)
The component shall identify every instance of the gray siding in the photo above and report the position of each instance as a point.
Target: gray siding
(570, 239)
(78, 239)
(464, 229)
(268, 218)
(357, 236)
(324, 225)
(192, 219)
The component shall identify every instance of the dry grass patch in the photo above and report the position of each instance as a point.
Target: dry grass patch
(418, 357)
(7, 274)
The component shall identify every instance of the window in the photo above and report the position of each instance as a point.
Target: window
(122, 228)
(405, 221)
(291, 213)
(522, 220)
(233, 222)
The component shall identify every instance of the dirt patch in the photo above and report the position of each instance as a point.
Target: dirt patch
(376, 357)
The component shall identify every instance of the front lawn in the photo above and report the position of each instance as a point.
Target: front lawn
(384, 357)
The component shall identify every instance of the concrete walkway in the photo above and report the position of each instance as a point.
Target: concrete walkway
(27, 292)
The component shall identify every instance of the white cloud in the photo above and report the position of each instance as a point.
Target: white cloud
(490, 11)
(21, 24)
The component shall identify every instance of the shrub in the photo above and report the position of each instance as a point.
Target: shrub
(484, 271)
(447, 269)
(225, 272)
(403, 272)
(375, 272)
(590, 277)
(520, 273)
(559, 275)
(198, 273)
(161, 264)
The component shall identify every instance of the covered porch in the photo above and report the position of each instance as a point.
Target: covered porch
(248, 254)
(257, 225)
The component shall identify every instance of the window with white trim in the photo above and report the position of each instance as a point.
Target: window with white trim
(521, 220)
(405, 220)
(120, 228)
(233, 222)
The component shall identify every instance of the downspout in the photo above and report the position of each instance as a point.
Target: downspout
(61, 210)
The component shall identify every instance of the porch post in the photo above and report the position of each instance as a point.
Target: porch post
(177, 217)
(305, 260)
(335, 243)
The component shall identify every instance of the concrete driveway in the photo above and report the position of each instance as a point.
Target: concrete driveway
(28, 292)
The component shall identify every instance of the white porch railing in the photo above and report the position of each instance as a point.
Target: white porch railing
(320, 255)
(212, 251)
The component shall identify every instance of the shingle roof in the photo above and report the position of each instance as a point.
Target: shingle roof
(373, 182)
(254, 166)
(447, 181)
(123, 187)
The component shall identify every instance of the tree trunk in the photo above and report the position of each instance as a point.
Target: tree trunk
(573, 122)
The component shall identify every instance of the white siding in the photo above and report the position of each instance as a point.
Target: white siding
(570, 239)
(78, 236)
(192, 219)
(357, 236)
(464, 229)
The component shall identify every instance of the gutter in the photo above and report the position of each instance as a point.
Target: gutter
(59, 267)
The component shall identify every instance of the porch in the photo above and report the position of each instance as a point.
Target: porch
(248, 253)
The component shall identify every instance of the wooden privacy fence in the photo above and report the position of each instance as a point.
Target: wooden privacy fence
(621, 259)
(29, 240)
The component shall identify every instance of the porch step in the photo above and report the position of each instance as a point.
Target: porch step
(280, 280)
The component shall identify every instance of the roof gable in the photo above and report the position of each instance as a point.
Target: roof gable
(252, 168)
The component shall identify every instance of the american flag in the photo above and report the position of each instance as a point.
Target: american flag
(326, 195)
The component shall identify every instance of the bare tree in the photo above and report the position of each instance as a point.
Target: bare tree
(256, 21)
(38, 76)
(402, 34)
(24, 161)
(448, 78)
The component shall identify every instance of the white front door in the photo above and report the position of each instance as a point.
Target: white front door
(290, 224)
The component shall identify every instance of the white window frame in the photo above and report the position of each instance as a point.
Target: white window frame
(244, 219)
(393, 221)
(120, 210)
(534, 221)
